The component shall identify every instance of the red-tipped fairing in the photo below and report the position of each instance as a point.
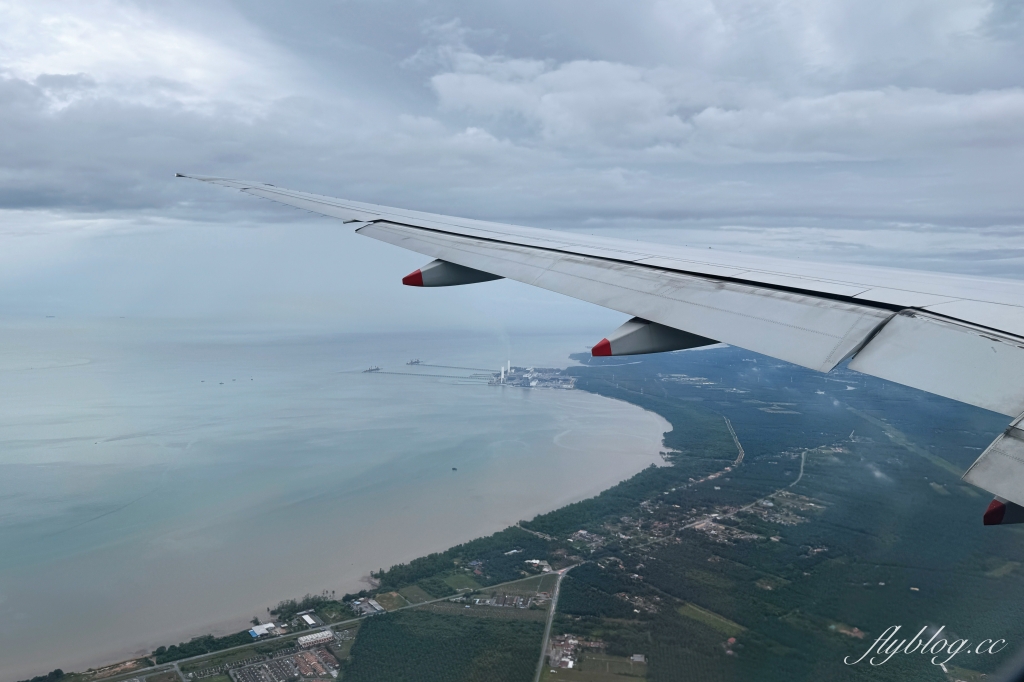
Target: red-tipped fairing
(638, 336)
(441, 273)
(1001, 512)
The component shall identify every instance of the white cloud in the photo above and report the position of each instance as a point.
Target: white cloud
(890, 133)
(118, 50)
(592, 104)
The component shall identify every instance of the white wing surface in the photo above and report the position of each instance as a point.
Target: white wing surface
(956, 336)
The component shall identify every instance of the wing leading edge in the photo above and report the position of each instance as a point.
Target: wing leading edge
(959, 337)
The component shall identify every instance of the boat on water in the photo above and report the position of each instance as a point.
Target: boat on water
(417, 361)
(375, 368)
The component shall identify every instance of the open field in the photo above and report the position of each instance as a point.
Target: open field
(496, 612)
(391, 600)
(461, 581)
(711, 619)
(538, 583)
(618, 665)
(415, 594)
(269, 646)
(333, 612)
(341, 651)
(123, 670)
(164, 677)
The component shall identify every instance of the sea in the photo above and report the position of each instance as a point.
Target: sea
(161, 480)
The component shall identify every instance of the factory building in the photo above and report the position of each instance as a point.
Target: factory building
(262, 629)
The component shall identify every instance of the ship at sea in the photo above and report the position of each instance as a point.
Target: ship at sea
(375, 368)
(417, 361)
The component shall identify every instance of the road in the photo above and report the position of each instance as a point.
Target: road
(551, 618)
(736, 439)
(534, 533)
(803, 458)
(340, 625)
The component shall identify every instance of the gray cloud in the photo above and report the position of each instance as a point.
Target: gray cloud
(863, 131)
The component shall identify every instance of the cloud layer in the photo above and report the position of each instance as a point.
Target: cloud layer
(872, 131)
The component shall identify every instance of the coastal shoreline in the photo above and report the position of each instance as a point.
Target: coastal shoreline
(655, 425)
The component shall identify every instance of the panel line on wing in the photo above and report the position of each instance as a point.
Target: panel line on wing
(550, 268)
(713, 278)
(787, 325)
(853, 300)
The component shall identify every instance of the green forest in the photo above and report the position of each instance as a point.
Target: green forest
(51, 676)
(419, 646)
(896, 539)
(497, 566)
(207, 644)
(891, 536)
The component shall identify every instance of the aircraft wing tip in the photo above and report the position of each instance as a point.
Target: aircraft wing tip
(205, 178)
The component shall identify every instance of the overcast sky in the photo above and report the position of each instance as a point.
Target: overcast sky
(861, 130)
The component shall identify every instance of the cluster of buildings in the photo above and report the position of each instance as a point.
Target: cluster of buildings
(367, 607)
(309, 618)
(542, 566)
(532, 377)
(665, 521)
(565, 651)
(310, 665)
(640, 604)
(507, 600)
(516, 601)
(591, 540)
(315, 639)
(263, 630)
(722, 533)
(314, 663)
(783, 508)
(217, 670)
(692, 381)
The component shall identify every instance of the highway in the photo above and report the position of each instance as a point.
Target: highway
(551, 617)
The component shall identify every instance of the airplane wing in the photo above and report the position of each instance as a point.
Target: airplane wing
(956, 336)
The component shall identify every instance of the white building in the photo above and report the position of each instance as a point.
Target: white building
(317, 638)
(262, 629)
